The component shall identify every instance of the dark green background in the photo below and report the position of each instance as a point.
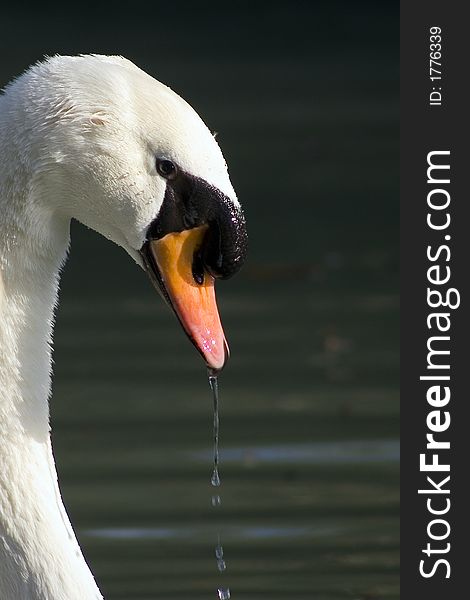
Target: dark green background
(305, 99)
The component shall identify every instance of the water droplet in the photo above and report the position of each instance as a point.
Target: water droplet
(215, 479)
(221, 565)
(219, 552)
(216, 501)
(224, 593)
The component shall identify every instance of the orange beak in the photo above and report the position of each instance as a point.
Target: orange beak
(191, 295)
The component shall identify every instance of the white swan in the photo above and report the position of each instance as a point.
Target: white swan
(95, 138)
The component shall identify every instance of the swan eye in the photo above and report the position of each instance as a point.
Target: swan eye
(167, 169)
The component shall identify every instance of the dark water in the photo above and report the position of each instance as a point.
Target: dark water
(309, 457)
(305, 100)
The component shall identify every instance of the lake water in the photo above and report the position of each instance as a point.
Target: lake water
(306, 105)
(309, 451)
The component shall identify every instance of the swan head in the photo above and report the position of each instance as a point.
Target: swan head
(126, 156)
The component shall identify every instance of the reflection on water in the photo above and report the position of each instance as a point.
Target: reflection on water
(357, 451)
(238, 533)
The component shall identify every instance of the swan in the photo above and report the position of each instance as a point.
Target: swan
(97, 139)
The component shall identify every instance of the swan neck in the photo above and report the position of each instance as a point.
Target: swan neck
(29, 278)
(39, 555)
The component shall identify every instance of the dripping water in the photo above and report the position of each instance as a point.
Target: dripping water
(223, 592)
(219, 555)
(213, 382)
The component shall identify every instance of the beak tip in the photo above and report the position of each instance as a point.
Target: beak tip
(216, 361)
